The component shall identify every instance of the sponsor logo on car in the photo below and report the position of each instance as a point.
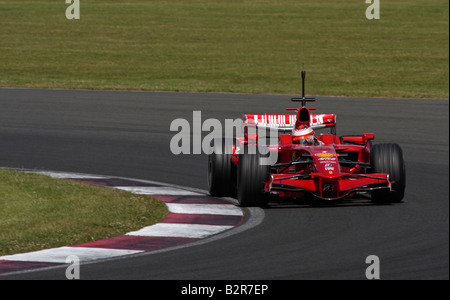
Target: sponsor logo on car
(326, 154)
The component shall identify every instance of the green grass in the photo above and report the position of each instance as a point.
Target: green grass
(254, 46)
(38, 212)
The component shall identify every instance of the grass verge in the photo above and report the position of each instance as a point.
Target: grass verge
(252, 46)
(38, 212)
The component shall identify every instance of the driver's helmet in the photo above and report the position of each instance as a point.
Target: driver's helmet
(303, 135)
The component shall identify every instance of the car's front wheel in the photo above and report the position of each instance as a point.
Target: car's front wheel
(252, 175)
(388, 158)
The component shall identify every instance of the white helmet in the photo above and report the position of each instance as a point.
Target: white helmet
(303, 135)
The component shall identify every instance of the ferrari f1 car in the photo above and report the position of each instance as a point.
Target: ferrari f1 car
(324, 166)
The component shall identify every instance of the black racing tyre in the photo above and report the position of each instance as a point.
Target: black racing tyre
(221, 171)
(251, 178)
(388, 158)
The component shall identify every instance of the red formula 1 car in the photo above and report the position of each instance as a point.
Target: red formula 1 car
(324, 165)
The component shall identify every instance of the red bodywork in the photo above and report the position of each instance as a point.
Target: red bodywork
(330, 170)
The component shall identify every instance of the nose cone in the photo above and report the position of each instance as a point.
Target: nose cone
(326, 161)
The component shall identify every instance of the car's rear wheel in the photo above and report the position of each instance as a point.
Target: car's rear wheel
(251, 177)
(388, 158)
(221, 171)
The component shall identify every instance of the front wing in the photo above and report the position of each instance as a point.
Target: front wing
(331, 187)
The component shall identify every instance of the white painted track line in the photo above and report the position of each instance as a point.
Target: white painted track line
(59, 255)
(64, 175)
(180, 230)
(157, 190)
(205, 209)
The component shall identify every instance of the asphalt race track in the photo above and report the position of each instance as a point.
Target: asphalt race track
(126, 133)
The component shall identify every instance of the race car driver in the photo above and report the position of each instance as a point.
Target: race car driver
(304, 135)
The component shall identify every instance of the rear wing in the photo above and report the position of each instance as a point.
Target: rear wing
(286, 122)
